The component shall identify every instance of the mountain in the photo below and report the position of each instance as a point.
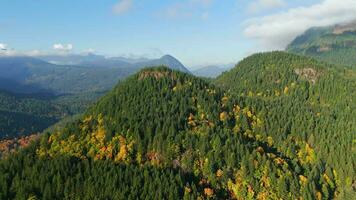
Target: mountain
(41, 76)
(96, 73)
(93, 60)
(335, 44)
(69, 87)
(169, 132)
(71, 59)
(166, 60)
(136, 64)
(305, 103)
(211, 71)
(90, 75)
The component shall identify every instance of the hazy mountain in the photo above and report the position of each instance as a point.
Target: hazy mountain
(92, 60)
(335, 44)
(130, 60)
(166, 60)
(90, 74)
(212, 71)
(71, 59)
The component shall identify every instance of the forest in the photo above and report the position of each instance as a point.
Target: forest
(277, 126)
(24, 114)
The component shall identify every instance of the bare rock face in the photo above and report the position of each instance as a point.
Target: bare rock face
(340, 29)
(155, 74)
(309, 74)
(324, 49)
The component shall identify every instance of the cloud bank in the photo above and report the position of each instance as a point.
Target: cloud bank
(277, 30)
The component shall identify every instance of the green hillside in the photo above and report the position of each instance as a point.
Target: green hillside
(334, 44)
(171, 133)
(23, 114)
(306, 104)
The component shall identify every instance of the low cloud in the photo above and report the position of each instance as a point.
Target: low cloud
(263, 5)
(63, 47)
(6, 51)
(277, 30)
(88, 51)
(3, 47)
(122, 7)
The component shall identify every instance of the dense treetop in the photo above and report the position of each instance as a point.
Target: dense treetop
(304, 99)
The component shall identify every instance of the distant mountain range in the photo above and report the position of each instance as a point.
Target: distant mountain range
(72, 73)
(212, 71)
(335, 44)
(93, 60)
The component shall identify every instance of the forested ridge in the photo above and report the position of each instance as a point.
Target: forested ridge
(277, 126)
(302, 99)
(334, 44)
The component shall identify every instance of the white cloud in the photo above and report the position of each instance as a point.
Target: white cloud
(122, 6)
(3, 47)
(88, 51)
(277, 30)
(61, 47)
(262, 5)
(6, 51)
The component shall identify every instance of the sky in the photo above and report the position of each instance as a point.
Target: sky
(197, 32)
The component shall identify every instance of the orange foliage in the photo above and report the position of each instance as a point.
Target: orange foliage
(219, 173)
(208, 192)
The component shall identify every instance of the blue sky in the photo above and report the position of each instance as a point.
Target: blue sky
(197, 32)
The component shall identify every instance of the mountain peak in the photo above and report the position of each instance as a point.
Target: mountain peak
(168, 56)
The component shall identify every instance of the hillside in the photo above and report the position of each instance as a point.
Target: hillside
(334, 44)
(168, 132)
(304, 102)
(25, 114)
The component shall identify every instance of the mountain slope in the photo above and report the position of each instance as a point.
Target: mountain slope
(25, 114)
(304, 102)
(334, 44)
(157, 124)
